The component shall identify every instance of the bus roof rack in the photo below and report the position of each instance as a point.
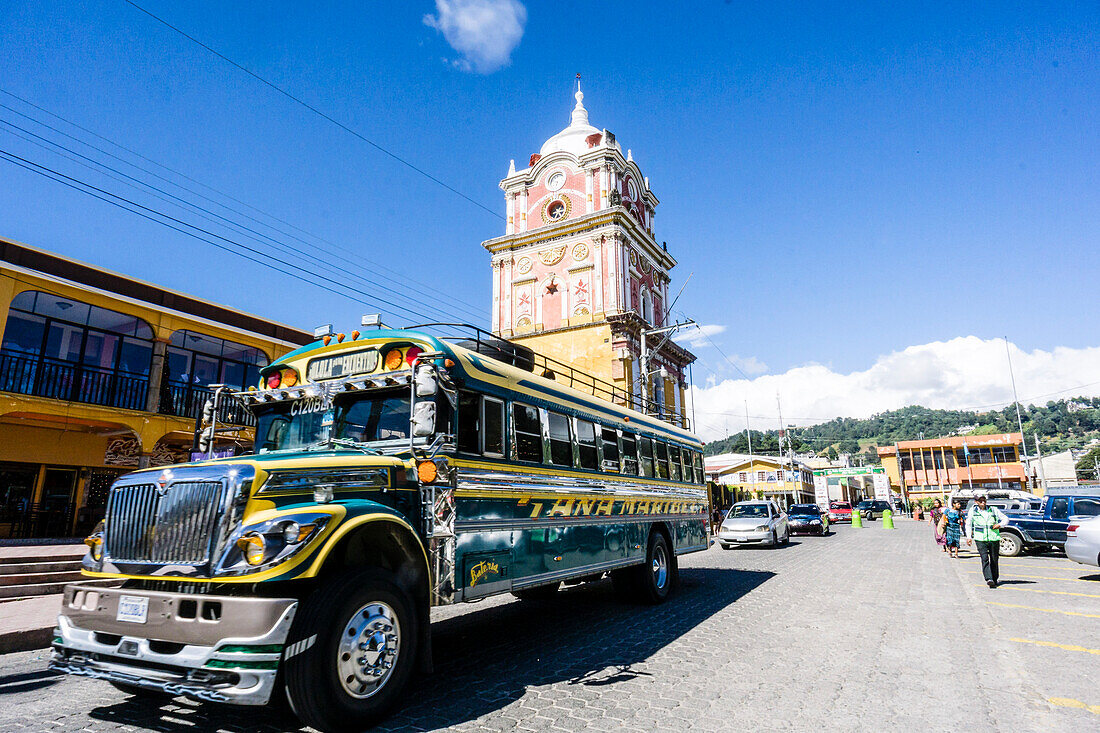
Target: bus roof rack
(483, 342)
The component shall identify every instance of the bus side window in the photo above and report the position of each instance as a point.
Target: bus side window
(586, 445)
(561, 442)
(645, 455)
(611, 450)
(494, 427)
(674, 462)
(661, 451)
(630, 454)
(699, 467)
(685, 460)
(469, 422)
(528, 430)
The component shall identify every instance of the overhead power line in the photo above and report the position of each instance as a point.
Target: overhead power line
(263, 259)
(298, 100)
(199, 211)
(466, 309)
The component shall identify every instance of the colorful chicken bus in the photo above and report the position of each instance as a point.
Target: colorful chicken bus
(392, 471)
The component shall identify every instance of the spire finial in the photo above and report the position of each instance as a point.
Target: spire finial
(580, 114)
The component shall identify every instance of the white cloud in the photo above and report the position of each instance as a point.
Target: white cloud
(963, 373)
(485, 32)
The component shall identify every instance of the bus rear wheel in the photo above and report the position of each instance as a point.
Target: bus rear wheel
(652, 581)
(351, 652)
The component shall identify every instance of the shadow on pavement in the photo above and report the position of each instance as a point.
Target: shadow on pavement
(486, 660)
(16, 683)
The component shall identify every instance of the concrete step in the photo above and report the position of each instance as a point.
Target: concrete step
(64, 576)
(53, 566)
(34, 557)
(44, 589)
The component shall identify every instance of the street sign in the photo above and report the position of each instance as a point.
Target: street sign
(882, 487)
(821, 492)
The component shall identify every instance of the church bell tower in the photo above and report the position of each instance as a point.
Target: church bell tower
(578, 275)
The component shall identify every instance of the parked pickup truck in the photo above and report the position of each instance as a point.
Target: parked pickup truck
(1046, 528)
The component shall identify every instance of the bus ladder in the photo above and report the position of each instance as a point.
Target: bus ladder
(439, 504)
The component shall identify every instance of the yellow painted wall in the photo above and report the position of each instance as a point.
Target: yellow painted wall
(588, 349)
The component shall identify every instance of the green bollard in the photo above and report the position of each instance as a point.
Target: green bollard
(857, 520)
(887, 519)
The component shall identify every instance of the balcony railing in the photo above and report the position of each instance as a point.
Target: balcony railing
(60, 380)
(43, 377)
(187, 400)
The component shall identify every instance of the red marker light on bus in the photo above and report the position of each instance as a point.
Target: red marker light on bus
(412, 353)
(274, 380)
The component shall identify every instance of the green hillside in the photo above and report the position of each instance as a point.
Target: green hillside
(1068, 423)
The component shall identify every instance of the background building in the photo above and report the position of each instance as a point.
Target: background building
(936, 467)
(100, 374)
(735, 477)
(578, 274)
(852, 483)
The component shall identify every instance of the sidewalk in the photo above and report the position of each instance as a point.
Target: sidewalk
(28, 623)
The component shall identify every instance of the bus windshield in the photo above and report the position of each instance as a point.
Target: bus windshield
(362, 418)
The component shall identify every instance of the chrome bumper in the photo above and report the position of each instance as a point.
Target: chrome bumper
(179, 649)
(727, 536)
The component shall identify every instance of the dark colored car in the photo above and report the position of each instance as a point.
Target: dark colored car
(872, 509)
(807, 519)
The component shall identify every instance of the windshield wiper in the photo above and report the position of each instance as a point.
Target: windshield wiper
(343, 443)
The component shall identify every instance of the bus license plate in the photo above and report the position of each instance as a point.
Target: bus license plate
(134, 609)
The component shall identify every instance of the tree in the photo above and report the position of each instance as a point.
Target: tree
(831, 454)
(1086, 467)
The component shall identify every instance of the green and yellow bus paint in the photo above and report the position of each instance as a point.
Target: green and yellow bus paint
(393, 470)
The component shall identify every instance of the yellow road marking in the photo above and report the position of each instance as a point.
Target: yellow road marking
(1047, 610)
(1039, 577)
(1069, 702)
(1067, 647)
(1052, 592)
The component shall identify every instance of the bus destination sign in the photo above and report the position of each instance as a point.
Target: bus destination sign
(342, 365)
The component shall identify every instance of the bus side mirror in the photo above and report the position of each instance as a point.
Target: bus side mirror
(423, 419)
(427, 383)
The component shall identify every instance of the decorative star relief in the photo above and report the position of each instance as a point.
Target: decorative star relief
(552, 288)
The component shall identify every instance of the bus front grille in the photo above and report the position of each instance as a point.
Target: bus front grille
(173, 526)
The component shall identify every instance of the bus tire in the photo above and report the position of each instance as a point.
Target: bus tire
(538, 593)
(657, 576)
(351, 651)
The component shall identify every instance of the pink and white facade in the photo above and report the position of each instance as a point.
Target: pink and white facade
(578, 273)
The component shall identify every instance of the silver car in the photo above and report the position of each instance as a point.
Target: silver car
(754, 522)
(1083, 540)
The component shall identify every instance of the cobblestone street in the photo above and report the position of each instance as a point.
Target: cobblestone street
(864, 628)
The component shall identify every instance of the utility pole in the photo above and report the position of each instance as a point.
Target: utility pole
(1016, 400)
(1042, 471)
(645, 355)
(748, 432)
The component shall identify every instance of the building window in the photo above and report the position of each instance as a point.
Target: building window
(1004, 454)
(195, 360)
(64, 349)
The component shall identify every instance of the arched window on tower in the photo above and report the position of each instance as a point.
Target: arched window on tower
(646, 307)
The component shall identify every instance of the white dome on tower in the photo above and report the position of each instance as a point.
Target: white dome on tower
(573, 138)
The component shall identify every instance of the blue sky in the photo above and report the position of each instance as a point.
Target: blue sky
(845, 181)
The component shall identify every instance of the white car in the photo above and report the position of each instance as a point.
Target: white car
(1083, 540)
(754, 522)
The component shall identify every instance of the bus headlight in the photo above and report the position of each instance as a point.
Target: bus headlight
(252, 548)
(270, 543)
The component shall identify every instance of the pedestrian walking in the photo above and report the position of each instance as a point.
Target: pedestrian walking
(953, 521)
(983, 526)
(936, 515)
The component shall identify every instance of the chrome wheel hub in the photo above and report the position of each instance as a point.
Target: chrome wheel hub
(368, 649)
(660, 566)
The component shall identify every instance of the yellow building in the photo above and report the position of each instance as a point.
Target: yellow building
(580, 277)
(734, 477)
(101, 373)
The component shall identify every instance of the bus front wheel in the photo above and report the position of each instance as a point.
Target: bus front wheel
(351, 652)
